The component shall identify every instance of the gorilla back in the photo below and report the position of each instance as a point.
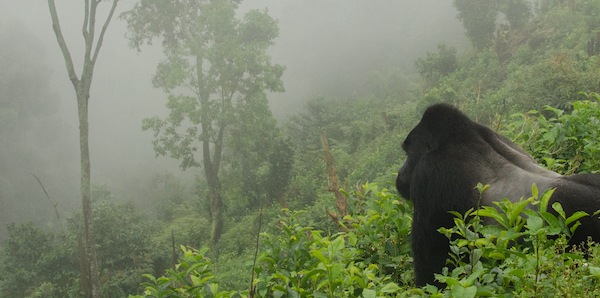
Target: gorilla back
(448, 154)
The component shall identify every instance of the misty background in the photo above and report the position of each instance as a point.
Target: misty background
(328, 48)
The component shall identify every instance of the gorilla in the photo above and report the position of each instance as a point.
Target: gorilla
(448, 154)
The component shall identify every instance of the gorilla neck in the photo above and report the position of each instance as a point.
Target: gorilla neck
(510, 171)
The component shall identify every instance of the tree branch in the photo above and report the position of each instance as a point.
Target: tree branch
(47, 196)
(219, 146)
(62, 43)
(89, 38)
(101, 37)
(86, 19)
(341, 201)
(186, 28)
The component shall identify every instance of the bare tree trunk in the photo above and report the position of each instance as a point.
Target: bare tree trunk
(86, 196)
(211, 171)
(341, 203)
(211, 163)
(174, 252)
(216, 208)
(84, 268)
(82, 89)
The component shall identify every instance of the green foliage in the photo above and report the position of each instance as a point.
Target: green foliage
(363, 141)
(192, 277)
(188, 228)
(518, 256)
(382, 223)
(302, 262)
(389, 85)
(555, 81)
(517, 12)
(38, 264)
(165, 193)
(30, 262)
(565, 143)
(376, 160)
(123, 245)
(221, 59)
(547, 60)
(439, 64)
(261, 170)
(471, 87)
(479, 18)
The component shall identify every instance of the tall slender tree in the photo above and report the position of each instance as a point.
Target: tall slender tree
(215, 73)
(82, 86)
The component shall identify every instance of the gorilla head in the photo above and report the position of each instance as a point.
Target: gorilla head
(448, 154)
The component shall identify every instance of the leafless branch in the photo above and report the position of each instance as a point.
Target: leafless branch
(101, 37)
(86, 19)
(47, 196)
(61, 42)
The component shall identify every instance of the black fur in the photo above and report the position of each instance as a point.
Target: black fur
(448, 154)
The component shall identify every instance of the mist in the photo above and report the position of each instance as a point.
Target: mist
(328, 47)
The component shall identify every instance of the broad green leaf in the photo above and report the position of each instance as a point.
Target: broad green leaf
(491, 230)
(496, 255)
(535, 223)
(460, 291)
(484, 292)
(214, 287)
(518, 273)
(518, 208)
(390, 288)
(595, 271)
(558, 208)
(368, 293)
(574, 227)
(550, 219)
(545, 199)
(336, 269)
(577, 215)
(431, 289)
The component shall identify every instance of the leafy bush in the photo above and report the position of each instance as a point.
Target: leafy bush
(38, 264)
(554, 81)
(367, 259)
(382, 223)
(31, 262)
(565, 143)
(437, 65)
(303, 262)
(192, 277)
(516, 257)
(123, 245)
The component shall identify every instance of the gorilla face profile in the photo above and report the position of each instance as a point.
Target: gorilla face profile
(448, 154)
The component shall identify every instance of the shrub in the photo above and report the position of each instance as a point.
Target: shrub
(565, 143)
(516, 257)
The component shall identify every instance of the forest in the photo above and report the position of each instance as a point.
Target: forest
(302, 205)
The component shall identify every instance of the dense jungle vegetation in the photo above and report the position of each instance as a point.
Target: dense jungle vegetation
(284, 230)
